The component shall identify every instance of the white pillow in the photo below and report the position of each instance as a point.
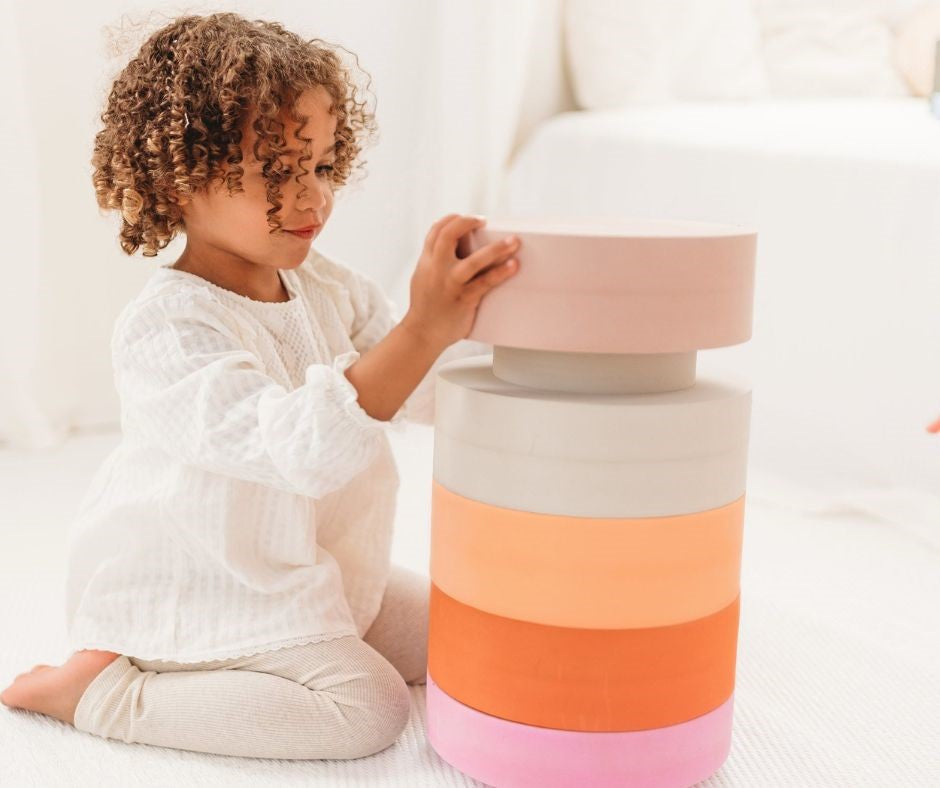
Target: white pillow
(644, 51)
(830, 47)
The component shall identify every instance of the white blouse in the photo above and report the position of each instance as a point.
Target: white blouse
(250, 503)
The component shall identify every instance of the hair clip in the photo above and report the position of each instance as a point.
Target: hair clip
(186, 116)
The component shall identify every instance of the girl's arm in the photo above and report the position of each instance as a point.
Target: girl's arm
(387, 374)
(189, 387)
(375, 315)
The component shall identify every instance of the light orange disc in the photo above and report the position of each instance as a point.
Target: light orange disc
(588, 572)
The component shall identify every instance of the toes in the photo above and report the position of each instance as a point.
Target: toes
(22, 690)
(10, 696)
(31, 671)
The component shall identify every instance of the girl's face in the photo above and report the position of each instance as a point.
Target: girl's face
(234, 229)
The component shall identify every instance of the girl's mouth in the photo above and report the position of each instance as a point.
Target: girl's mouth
(305, 234)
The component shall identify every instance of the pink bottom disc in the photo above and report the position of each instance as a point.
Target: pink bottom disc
(509, 754)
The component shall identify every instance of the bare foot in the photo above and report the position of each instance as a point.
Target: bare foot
(56, 690)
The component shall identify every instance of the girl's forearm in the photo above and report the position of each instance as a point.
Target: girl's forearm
(389, 372)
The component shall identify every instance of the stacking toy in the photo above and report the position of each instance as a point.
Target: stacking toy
(587, 510)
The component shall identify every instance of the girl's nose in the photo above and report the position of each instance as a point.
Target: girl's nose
(312, 196)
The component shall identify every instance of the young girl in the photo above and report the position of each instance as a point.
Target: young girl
(229, 586)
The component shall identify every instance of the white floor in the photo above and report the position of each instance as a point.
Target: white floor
(837, 678)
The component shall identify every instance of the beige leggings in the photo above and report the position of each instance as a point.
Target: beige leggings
(340, 698)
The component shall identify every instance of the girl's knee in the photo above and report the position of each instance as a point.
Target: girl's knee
(382, 719)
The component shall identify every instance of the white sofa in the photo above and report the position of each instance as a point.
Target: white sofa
(844, 191)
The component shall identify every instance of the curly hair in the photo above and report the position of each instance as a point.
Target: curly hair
(176, 111)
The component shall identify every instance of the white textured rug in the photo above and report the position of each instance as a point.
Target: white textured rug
(837, 677)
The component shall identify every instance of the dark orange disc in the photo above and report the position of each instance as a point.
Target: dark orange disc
(582, 679)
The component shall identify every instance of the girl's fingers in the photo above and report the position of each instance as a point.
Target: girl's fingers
(431, 237)
(934, 427)
(472, 265)
(487, 281)
(446, 241)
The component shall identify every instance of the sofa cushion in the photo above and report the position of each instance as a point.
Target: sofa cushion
(648, 51)
(830, 47)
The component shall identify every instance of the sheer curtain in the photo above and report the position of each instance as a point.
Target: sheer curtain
(455, 87)
(23, 414)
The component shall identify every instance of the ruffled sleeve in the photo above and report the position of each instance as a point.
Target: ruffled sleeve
(374, 315)
(189, 387)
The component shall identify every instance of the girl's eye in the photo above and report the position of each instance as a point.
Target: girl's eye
(290, 170)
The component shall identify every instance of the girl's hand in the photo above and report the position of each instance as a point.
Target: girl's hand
(446, 289)
(935, 427)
